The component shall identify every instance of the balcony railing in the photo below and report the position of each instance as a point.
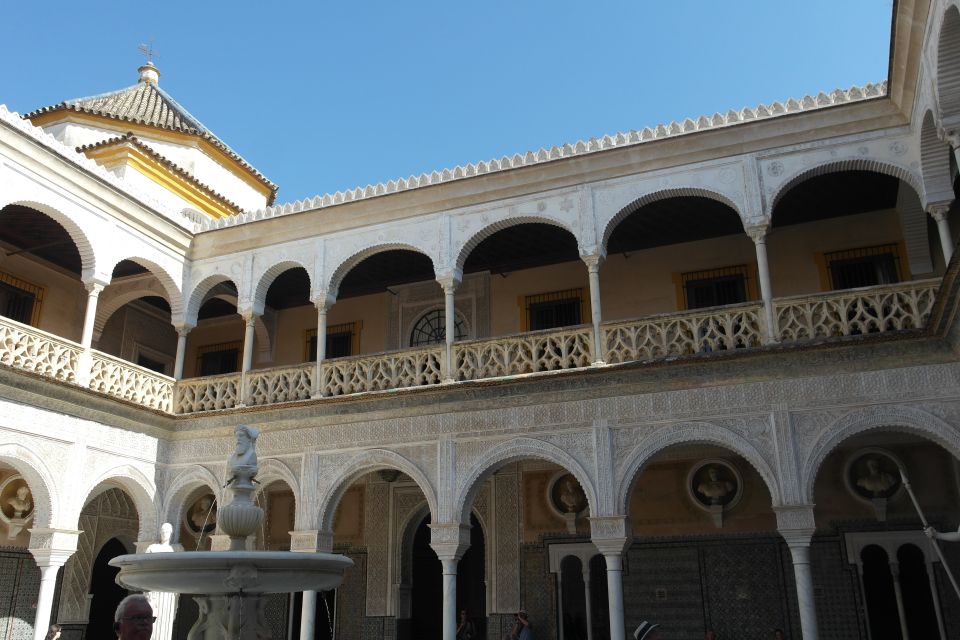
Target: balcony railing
(878, 309)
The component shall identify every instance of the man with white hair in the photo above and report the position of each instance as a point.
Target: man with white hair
(134, 618)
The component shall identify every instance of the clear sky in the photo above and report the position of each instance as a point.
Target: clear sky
(323, 96)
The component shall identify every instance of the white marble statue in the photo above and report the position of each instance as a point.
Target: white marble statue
(21, 503)
(164, 604)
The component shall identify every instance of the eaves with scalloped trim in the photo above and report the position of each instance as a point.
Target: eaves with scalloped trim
(582, 147)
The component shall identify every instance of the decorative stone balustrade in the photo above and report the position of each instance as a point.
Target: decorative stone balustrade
(122, 379)
(379, 372)
(676, 334)
(877, 309)
(548, 350)
(280, 384)
(855, 311)
(28, 349)
(208, 393)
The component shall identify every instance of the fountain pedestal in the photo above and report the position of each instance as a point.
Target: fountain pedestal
(230, 585)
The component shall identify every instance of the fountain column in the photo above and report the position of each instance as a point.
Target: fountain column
(450, 540)
(51, 548)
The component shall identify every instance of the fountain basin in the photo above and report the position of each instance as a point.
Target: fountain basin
(230, 572)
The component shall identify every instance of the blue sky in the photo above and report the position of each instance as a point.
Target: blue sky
(336, 95)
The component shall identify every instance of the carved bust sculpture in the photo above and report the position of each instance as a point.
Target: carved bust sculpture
(571, 496)
(875, 481)
(713, 487)
(21, 502)
(243, 463)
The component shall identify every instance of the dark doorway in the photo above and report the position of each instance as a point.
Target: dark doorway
(427, 600)
(107, 594)
(599, 604)
(573, 601)
(881, 601)
(471, 581)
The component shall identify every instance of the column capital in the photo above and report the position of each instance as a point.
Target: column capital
(53, 547)
(183, 328)
(450, 540)
(451, 280)
(757, 230)
(594, 260)
(94, 286)
(323, 300)
(311, 541)
(610, 534)
(249, 316)
(796, 523)
(939, 210)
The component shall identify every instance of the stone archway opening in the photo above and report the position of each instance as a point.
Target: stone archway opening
(706, 553)
(42, 271)
(869, 535)
(106, 593)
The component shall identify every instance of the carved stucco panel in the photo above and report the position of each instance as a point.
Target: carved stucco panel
(506, 510)
(378, 553)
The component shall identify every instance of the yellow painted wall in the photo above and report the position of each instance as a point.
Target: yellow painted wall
(64, 297)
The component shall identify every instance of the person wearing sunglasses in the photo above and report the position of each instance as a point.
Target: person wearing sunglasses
(134, 618)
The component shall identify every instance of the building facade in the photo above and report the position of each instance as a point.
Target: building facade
(674, 374)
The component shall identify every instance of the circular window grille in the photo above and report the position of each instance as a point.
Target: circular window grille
(430, 329)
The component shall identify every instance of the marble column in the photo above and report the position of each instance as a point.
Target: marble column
(758, 233)
(796, 525)
(449, 598)
(51, 548)
(450, 540)
(323, 304)
(308, 615)
(85, 361)
(93, 294)
(596, 316)
(586, 597)
(612, 536)
(898, 596)
(940, 213)
(310, 541)
(182, 331)
(449, 284)
(249, 319)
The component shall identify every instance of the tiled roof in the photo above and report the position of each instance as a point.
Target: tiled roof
(129, 138)
(13, 120)
(147, 104)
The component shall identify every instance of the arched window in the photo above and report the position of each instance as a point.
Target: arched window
(431, 329)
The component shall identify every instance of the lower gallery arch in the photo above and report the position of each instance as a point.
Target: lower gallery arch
(898, 418)
(25, 503)
(704, 551)
(869, 550)
(691, 433)
(138, 489)
(531, 497)
(189, 504)
(109, 523)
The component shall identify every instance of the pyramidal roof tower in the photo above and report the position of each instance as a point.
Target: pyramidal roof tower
(144, 136)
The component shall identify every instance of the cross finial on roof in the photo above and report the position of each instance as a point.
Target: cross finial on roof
(149, 51)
